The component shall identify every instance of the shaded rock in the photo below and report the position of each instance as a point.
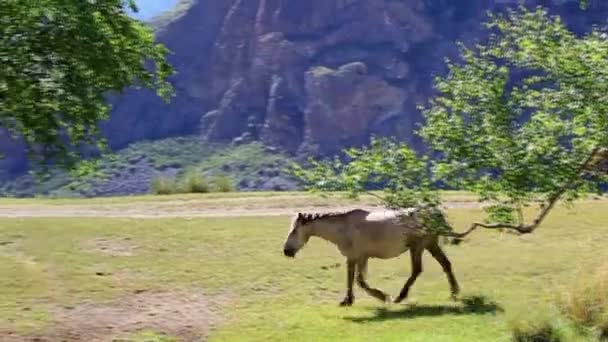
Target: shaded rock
(343, 103)
(284, 123)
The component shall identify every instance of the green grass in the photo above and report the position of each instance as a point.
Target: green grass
(44, 264)
(240, 198)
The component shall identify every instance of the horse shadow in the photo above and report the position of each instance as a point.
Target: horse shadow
(469, 305)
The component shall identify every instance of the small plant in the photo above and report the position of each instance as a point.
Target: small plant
(162, 185)
(194, 182)
(586, 303)
(535, 330)
(223, 184)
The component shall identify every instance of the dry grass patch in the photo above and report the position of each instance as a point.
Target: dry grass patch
(111, 246)
(586, 303)
(14, 249)
(185, 316)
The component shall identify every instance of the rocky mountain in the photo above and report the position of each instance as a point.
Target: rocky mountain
(308, 76)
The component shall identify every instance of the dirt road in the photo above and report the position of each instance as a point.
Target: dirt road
(178, 209)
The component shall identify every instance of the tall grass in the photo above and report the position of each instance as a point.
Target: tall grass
(223, 183)
(586, 303)
(535, 329)
(163, 185)
(193, 182)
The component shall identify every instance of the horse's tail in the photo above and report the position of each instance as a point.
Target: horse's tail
(452, 240)
(455, 240)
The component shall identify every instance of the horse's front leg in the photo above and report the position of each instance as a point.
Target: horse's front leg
(361, 274)
(349, 299)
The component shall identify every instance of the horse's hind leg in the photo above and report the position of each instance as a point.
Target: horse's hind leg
(361, 273)
(445, 263)
(416, 256)
(349, 299)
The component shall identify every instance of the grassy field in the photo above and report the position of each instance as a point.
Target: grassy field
(247, 198)
(179, 278)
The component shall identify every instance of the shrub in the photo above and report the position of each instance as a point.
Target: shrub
(223, 184)
(586, 303)
(162, 185)
(194, 182)
(535, 330)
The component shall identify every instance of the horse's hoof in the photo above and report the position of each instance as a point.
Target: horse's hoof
(347, 302)
(397, 300)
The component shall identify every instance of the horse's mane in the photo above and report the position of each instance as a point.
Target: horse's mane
(305, 218)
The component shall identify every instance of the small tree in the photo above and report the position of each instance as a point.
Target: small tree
(59, 60)
(523, 118)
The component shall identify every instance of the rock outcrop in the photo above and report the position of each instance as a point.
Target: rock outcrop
(313, 76)
(309, 76)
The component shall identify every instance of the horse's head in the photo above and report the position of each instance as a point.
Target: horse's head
(299, 233)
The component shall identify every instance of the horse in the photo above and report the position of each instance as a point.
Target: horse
(361, 234)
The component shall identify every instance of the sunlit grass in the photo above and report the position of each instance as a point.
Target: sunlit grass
(46, 262)
(253, 196)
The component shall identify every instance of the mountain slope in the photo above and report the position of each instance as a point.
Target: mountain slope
(307, 77)
(132, 170)
(310, 77)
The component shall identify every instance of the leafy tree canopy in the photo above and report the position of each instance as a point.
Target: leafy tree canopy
(522, 118)
(60, 59)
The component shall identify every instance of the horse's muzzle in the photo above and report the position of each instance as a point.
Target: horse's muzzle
(289, 252)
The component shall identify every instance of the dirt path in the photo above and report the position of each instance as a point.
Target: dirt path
(176, 209)
(188, 316)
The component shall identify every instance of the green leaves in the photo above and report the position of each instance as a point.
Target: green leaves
(60, 59)
(501, 213)
(514, 122)
(394, 167)
(529, 135)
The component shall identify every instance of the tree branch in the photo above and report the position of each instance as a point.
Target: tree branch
(523, 228)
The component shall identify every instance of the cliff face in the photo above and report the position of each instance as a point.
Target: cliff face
(308, 76)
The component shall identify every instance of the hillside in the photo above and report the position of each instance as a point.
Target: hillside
(306, 77)
(132, 170)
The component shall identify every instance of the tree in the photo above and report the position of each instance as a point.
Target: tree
(60, 59)
(522, 119)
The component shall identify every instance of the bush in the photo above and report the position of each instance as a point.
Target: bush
(535, 330)
(162, 185)
(194, 182)
(223, 184)
(586, 303)
(190, 182)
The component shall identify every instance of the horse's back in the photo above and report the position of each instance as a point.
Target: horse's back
(384, 234)
(401, 218)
